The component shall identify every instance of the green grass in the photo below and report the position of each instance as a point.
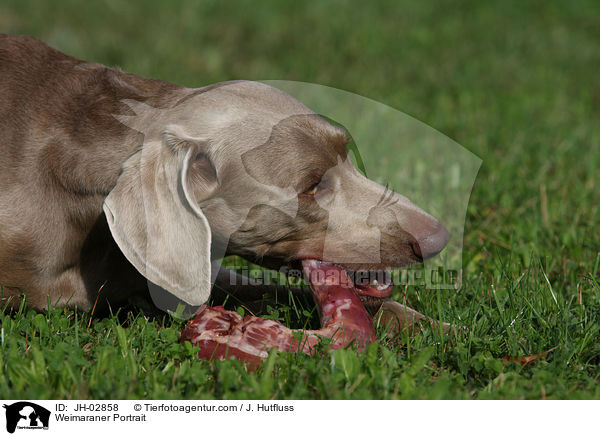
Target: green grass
(516, 84)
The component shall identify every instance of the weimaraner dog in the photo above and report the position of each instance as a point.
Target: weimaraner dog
(111, 181)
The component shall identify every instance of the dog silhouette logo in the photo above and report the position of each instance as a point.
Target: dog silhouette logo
(26, 415)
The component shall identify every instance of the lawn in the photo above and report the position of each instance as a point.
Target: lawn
(516, 83)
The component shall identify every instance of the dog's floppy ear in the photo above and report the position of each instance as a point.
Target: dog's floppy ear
(154, 216)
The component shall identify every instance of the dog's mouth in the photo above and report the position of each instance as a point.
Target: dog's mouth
(369, 283)
(372, 283)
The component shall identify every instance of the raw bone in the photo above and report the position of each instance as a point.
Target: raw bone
(223, 334)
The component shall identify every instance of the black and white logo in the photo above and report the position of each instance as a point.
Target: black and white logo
(26, 415)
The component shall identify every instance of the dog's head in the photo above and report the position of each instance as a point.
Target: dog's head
(245, 169)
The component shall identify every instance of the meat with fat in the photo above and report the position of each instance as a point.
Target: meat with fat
(221, 334)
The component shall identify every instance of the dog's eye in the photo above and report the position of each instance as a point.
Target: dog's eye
(312, 190)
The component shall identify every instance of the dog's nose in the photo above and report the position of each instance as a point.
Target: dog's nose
(428, 246)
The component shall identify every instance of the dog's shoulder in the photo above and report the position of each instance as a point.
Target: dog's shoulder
(60, 114)
(15, 48)
(27, 61)
(52, 85)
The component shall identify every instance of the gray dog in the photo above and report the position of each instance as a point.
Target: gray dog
(110, 181)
